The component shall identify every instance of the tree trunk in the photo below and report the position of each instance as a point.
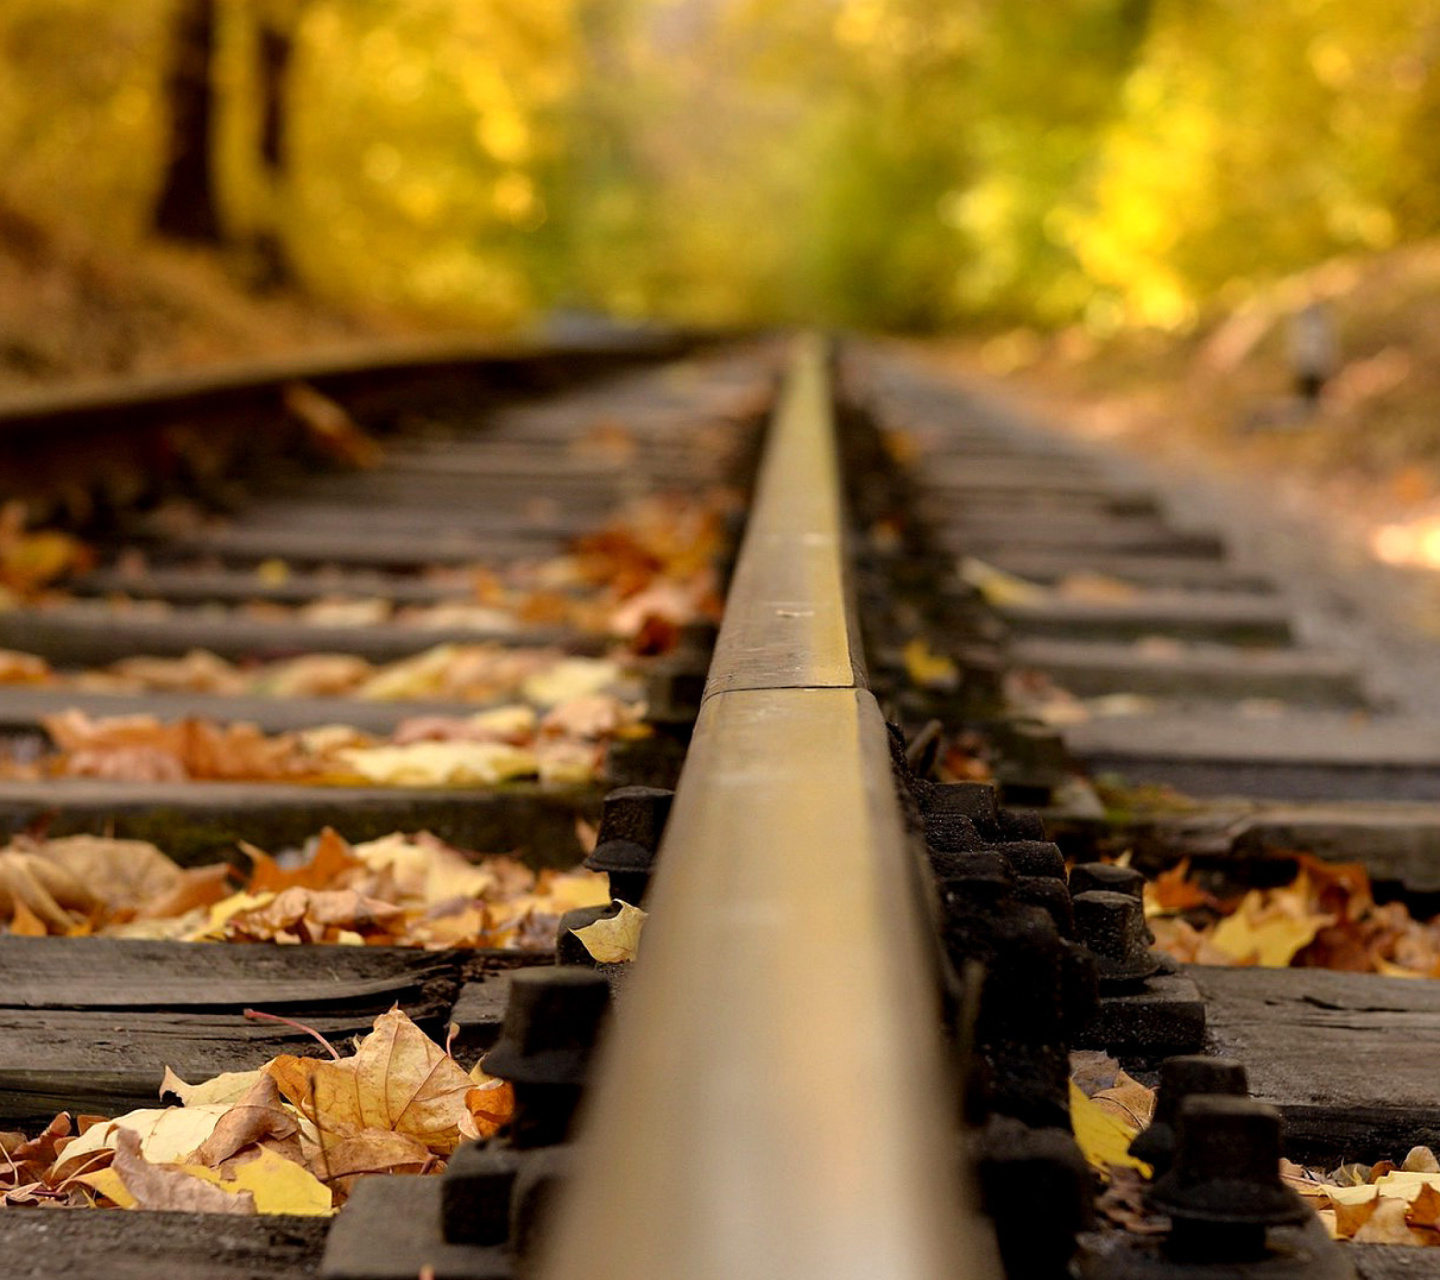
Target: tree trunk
(274, 52)
(275, 48)
(186, 208)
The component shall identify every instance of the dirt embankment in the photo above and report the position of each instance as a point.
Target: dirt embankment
(73, 309)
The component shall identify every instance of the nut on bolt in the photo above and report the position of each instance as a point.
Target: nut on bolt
(1085, 876)
(1113, 926)
(632, 821)
(1224, 1191)
(1182, 1077)
(552, 1023)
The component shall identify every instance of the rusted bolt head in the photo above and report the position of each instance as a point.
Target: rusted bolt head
(952, 833)
(1086, 876)
(552, 1021)
(1034, 858)
(475, 1193)
(971, 883)
(636, 814)
(628, 866)
(1051, 895)
(1112, 925)
(972, 800)
(1181, 1077)
(1020, 824)
(1227, 1166)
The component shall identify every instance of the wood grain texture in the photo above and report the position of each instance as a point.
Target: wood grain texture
(1348, 1058)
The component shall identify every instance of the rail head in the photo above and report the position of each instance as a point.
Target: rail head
(772, 1099)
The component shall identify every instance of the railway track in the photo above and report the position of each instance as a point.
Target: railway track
(861, 929)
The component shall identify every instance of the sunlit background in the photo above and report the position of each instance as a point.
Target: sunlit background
(900, 163)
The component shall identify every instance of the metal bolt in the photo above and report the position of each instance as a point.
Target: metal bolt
(636, 814)
(1020, 824)
(1112, 925)
(1019, 1167)
(1051, 895)
(1224, 1190)
(475, 1193)
(1182, 1077)
(628, 866)
(1034, 858)
(552, 1022)
(973, 800)
(952, 833)
(1086, 876)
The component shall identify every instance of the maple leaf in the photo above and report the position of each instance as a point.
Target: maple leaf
(398, 1081)
(1172, 892)
(331, 859)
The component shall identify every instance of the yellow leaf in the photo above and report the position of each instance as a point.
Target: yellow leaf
(928, 669)
(166, 1134)
(108, 1183)
(278, 1185)
(440, 764)
(615, 939)
(1387, 1225)
(570, 678)
(1266, 937)
(998, 587)
(228, 1087)
(399, 1080)
(1103, 1138)
(221, 912)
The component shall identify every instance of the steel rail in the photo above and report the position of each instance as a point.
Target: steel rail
(771, 1101)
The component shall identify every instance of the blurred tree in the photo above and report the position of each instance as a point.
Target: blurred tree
(186, 208)
(275, 23)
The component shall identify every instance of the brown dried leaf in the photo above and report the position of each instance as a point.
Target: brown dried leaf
(399, 1080)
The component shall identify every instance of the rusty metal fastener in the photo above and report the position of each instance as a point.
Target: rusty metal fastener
(1112, 925)
(552, 1021)
(628, 866)
(973, 800)
(1020, 824)
(632, 820)
(1224, 1190)
(1085, 876)
(1187, 1075)
(1050, 894)
(637, 814)
(1034, 858)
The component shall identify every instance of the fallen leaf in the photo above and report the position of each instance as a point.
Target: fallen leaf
(399, 1080)
(927, 669)
(1104, 1139)
(159, 1185)
(441, 764)
(226, 1088)
(1387, 1224)
(1264, 933)
(614, 939)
